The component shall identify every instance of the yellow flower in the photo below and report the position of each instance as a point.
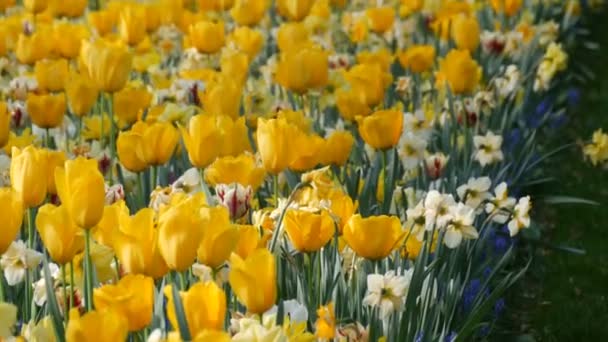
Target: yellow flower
(214, 5)
(5, 124)
(54, 159)
(382, 129)
(132, 24)
(380, 18)
(60, 235)
(28, 175)
(46, 111)
(250, 239)
(81, 93)
(20, 141)
(32, 48)
(342, 207)
(130, 148)
(129, 102)
(132, 297)
(51, 74)
(136, 243)
(70, 8)
(337, 148)
(8, 318)
(204, 307)
(159, 142)
(107, 64)
(325, 325)
(207, 36)
(219, 237)
(180, 232)
(509, 7)
(12, 206)
(294, 10)
(597, 150)
(373, 237)
(249, 12)
(241, 169)
(202, 140)
(248, 40)
(408, 7)
(460, 71)
(222, 97)
(86, 328)
(35, 6)
(309, 147)
(291, 34)
(297, 118)
(302, 68)
(253, 280)
(93, 126)
(275, 144)
(103, 21)
(381, 57)
(235, 66)
(418, 58)
(368, 82)
(465, 32)
(108, 226)
(81, 188)
(351, 105)
(308, 232)
(68, 38)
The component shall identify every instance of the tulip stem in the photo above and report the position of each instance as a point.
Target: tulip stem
(66, 308)
(71, 284)
(276, 190)
(30, 229)
(88, 272)
(112, 138)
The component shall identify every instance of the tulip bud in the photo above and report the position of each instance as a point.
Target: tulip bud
(235, 197)
(114, 193)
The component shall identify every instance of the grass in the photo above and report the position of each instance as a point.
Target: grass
(564, 297)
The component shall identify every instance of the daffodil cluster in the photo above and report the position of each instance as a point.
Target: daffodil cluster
(256, 170)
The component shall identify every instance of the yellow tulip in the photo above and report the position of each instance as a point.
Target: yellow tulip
(307, 231)
(460, 71)
(254, 281)
(180, 232)
(136, 244)
(153, 14)
(337, 148)
(81, 188)
(207, 36)
(249, 12)
(368, 82)
(81, 94)
(235, 65)
(47, 110)
(290, 35)
(51, 74)
(418, 58)
(5, 124)
(409, 7)
(248, 40)
(303, 68)
(241, 169)
(61, 237)
(32, 48)
(223, 97)
(275, 144)
(54, 159)
(465, 32)
(204, 307)
(108, 65)
(309, 147)
(86, 328)
(214, 5)
(382, 129)
(129, 102)
(108, 227)
(294, 10)
(235, 136)
(249, 240)
(35, 6)
(28, 175)
(132, 297)
(382, 57)
(380, 18)
(350, 104)
(509, 7)
(130, 148)
(296, 117)
(219, 237)
(342, 207)
(132, 24)
(70, 8)
(103, 21)
(159, 142)
(25, 139)
(373, 237)
(325, 326)
(67, 38)
(202, 140)
(12, 218)
(4, 4)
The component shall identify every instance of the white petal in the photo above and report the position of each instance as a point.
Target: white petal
(452, 238)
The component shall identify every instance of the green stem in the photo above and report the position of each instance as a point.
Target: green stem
(66, 308)
(27, 302)
(276, 189)
(80, 130)
(71, 285)
(2, 296)
(112, 138)
(48, 138)
(88, 272)
(182, 281)
(153, 179)
(30, 229)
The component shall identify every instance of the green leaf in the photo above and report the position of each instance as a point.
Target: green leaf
(179, 313)
(558, 199)
(52, 303)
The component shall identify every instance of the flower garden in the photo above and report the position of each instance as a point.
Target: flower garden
(276, 170)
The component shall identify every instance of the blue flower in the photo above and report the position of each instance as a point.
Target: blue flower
(499, 307)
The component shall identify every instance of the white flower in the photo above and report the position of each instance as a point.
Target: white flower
(40, 285)
(386, 292)
(488, 148)
(548, 32)
(5, 166)
(493, 42)
(411, 150)
(205, 273)
(500, 204)
(437, 211)
(475, 191)
(521, 216)
(114, 193)
(417, 123)
(435, 163)
(250, 329)
(416, 220)
(235, 197)
(16, 260)
(189, 182)
(296, 312)
(461, 225)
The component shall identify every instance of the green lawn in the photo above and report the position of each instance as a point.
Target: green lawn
(564, 297)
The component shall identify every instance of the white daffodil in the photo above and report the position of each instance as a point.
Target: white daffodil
(475, 191)
(189, 182)
(16, 260)
(521, 216)
(411, 150)
(296, 312)
(500, 204)
(461, 226)
(386, 292)
(436, 209)
(8, 318)
(416, 220)
(40, 285)
(488, 148)
(205, 273)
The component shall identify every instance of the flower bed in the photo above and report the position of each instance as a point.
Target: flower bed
(290, 170)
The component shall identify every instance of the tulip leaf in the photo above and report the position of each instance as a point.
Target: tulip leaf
(180, 313)
(568, 200)
(52, 303)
